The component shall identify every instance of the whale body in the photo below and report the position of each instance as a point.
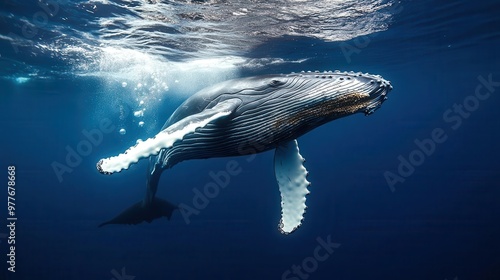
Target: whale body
(246, 116)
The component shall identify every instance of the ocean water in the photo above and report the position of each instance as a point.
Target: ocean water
(410, 192)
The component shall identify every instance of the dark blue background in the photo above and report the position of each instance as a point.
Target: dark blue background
(442, 222)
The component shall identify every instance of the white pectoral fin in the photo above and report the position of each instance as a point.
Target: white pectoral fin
(167, 137)
(291, 176)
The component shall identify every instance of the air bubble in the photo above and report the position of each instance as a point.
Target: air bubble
(139, 113)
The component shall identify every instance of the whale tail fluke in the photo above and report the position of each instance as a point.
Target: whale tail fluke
(139, 213)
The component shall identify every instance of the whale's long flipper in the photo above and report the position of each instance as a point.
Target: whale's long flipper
(167, 137)
(291, 176)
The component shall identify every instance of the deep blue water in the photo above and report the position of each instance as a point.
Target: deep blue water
(441, 222)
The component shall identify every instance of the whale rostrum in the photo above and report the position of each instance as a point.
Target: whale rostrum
(232, 117)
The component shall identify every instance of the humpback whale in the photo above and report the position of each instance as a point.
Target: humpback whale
(233, 117)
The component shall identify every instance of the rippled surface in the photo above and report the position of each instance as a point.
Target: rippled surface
(231, 27)
(94, 36)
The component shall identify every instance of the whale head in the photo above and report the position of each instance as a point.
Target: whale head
(314, 98)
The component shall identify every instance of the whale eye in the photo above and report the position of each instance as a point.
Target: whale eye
(275, 83)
